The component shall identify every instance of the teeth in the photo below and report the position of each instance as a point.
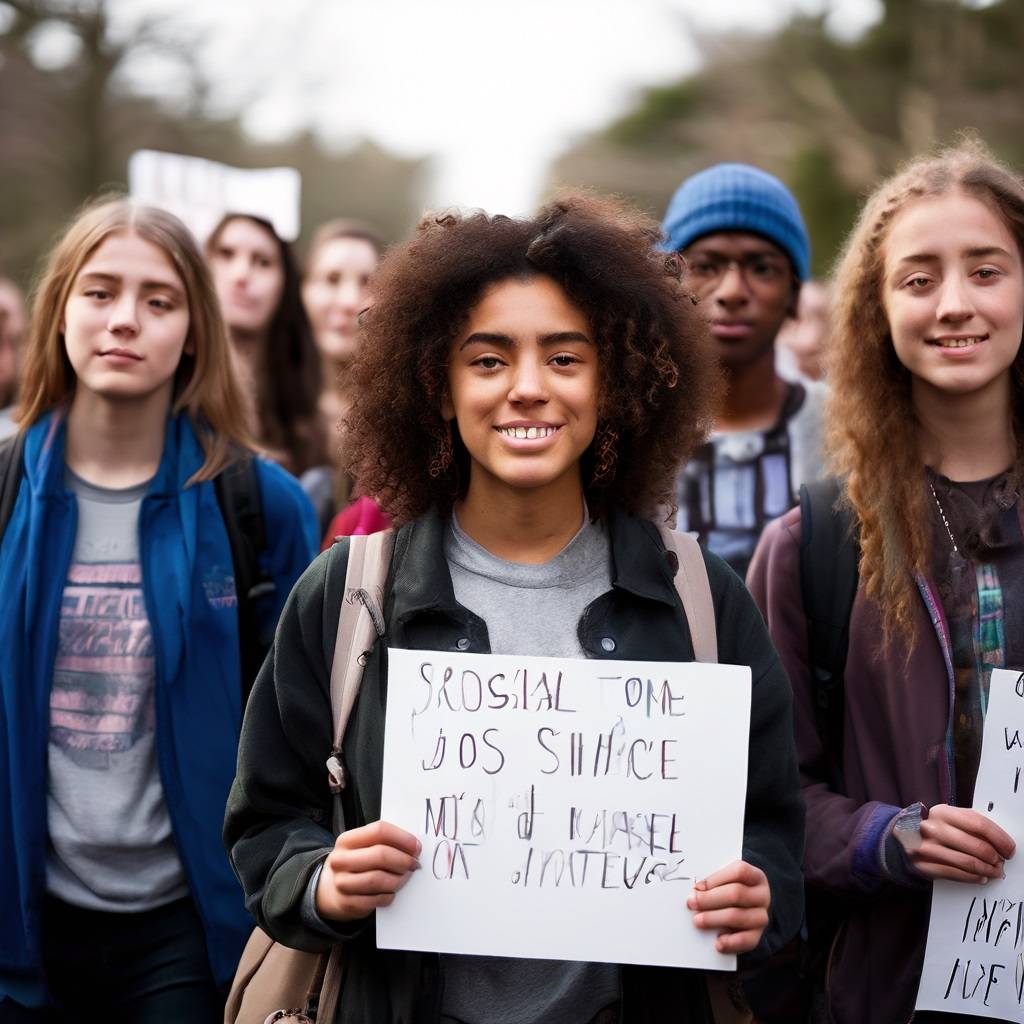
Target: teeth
(957, 342)
(526, 433)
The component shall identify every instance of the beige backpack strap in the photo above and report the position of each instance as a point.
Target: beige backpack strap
(694, 591)
(361, 621)
(330, 992)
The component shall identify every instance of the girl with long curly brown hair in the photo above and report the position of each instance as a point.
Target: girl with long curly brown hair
(928, 390)
(523, 395)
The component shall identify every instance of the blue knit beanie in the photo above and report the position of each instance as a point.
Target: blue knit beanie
(738, 197)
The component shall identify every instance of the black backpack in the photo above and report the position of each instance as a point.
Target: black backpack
(790, 988)
(829, 553)
(241, 505)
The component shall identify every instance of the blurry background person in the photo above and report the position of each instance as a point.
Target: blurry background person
(257, 282)
(747, 251)
(802, 345)
(12, 327)
(335, 290)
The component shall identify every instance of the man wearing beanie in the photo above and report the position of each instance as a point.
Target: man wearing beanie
(747, 251)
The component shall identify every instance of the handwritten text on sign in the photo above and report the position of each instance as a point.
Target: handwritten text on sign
(566, 807)
(974, 963)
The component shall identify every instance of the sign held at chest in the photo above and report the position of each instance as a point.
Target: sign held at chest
(565, 806)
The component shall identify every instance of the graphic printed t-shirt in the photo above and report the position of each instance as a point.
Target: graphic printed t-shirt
(111, 844)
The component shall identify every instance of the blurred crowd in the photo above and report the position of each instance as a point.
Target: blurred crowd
(293, 327)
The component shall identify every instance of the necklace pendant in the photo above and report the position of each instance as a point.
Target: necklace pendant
(958, 569)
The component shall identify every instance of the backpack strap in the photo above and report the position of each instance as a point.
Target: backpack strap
(728, 1005)
(360, 622)
(694, 591)
(241, 507)
(12, 460)
(829, 555)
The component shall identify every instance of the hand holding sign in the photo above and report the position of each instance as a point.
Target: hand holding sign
(365, 869)
(566, 806)
(974, 963)
(736, 901)
(961, 845)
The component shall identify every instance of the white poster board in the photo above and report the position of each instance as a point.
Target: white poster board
(974, 963)
(566, 807)
(201, 192)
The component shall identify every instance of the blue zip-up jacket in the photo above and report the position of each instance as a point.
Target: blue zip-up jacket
(187, 574)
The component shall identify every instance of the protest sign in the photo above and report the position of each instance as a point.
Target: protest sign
(200, 192)
(974, 963)
(566, 807)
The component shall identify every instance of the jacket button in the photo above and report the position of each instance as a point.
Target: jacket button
(607, 644)
(462, 643)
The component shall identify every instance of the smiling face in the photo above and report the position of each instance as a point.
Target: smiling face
(336, 291)
(746, 287)
(126, 321)
(523, 387)
(248, 273)
(953, 291)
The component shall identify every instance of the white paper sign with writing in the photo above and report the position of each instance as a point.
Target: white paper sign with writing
(974, 963)
(201, 192)
(565, 806)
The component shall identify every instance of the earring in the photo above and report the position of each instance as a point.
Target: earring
(443, 452)
(606, 456)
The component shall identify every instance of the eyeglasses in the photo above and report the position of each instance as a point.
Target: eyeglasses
(759, 271)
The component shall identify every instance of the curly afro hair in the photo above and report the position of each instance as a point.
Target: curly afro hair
(659, 374)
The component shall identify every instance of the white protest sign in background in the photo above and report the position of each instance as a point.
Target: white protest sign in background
(974, 963)
(566, 807)
(201, 192)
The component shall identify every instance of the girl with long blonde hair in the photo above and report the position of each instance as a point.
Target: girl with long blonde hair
(927, 375)
(121, 681)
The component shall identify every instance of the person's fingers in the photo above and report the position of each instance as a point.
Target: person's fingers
(933, 870)
(945, 834)
(379, 833)
(738, 871)
(734, 919)
(975, 824)
(369, 883)
(353, 907)
(738, 942)
(372, 858)
(730, 895)
(338, 906)
(938, 853)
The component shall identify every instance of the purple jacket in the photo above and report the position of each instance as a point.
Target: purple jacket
(895, 754)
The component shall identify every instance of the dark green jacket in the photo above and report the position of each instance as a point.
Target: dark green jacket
(279, 811)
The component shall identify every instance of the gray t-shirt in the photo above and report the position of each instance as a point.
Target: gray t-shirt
(112, 847)
(529, 609)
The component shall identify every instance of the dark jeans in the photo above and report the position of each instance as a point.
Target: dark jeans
(148, 968)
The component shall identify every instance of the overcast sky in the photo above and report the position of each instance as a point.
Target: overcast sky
(493, 89)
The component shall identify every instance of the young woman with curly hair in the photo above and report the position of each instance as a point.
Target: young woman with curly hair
(122, 632)
(523, 396)
(259, 287)
(928, 390)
